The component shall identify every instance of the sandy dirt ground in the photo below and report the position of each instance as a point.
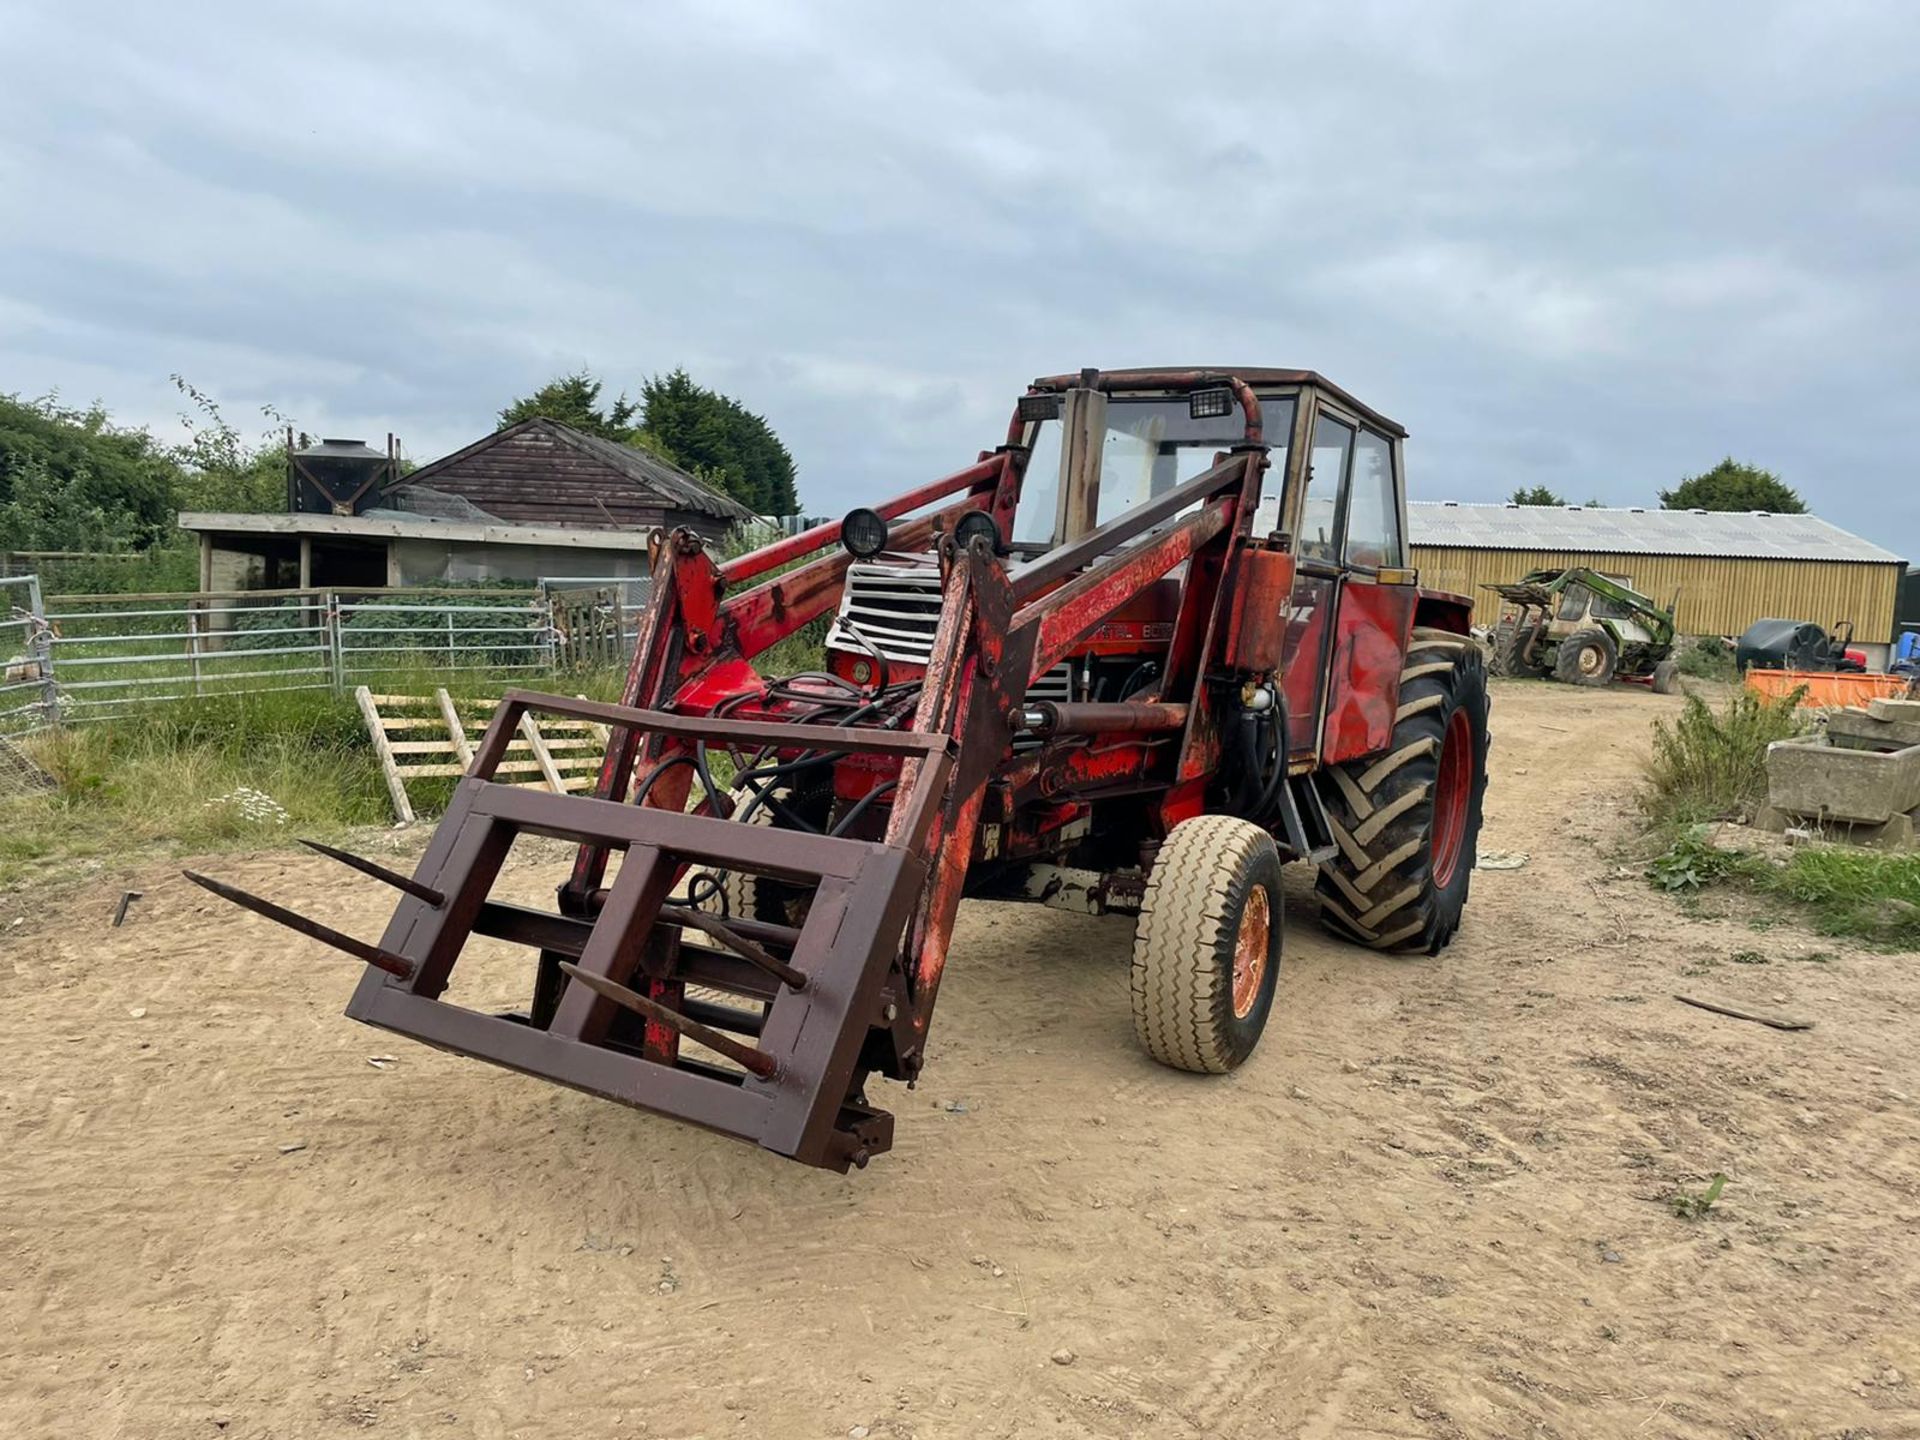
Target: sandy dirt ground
(1435, 1203)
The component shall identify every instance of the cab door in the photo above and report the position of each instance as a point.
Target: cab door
(1353, 597)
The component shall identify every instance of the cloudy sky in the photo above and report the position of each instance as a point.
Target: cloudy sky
(1595, 246)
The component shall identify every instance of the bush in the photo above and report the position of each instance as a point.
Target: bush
(1708, 766)
(1707, 658)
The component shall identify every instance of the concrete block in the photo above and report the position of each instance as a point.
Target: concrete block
(1894, 710)
(1863, 730)
(1809, 776)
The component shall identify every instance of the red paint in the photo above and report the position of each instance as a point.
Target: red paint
(1257, 604)
(1303, 657)
(1443, 610)
(1369, 639)
(1452, 790)
(985, 473)
(1062, 618)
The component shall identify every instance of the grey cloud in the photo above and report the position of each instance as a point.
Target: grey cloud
(1594, 247)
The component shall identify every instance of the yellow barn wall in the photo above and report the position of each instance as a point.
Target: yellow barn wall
(1717, 596)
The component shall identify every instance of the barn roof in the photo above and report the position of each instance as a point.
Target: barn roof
(1733, 534)
(641, 468)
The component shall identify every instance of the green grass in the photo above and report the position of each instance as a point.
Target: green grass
(1867, 893)
(1697, 1204)
(1712, 765)
(1839, 890)
(183, 775)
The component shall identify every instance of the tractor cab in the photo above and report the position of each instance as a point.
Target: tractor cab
(1327, 544)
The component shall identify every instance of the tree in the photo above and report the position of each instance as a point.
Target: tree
(575, 400)
(721, 441)
(1535, 495)
(1731, 485)
(73, 480)
(220, 471)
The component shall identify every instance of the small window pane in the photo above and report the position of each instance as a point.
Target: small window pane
(1373, 520)
(1040, 490)
(1328, 464)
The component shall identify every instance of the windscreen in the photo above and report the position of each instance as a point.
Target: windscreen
(1151, 445)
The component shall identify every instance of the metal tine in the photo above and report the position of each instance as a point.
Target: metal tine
(380, 959)
(380, 872)
(718, 929)
(758, 1061)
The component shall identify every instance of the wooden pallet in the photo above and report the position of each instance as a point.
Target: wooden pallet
(418, 737)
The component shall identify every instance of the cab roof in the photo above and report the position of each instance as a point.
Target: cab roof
(1260, 377)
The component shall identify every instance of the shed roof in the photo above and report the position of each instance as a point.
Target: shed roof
(1739, 534)
(641, 468)
(412, 527)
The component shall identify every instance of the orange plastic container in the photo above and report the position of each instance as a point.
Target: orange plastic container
(1827, 690)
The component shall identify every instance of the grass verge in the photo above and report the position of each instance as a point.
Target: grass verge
(223, 772)
(1869, 895)
(1711, 765)
(218, 773)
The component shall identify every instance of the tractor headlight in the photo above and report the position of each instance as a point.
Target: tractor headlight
(1042, 406)
(1210, 404)
(863, 534)
(978, 525)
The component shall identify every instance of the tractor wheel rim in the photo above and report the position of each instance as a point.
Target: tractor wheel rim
(1591, 660)
(1250, 951)
(1452, 789)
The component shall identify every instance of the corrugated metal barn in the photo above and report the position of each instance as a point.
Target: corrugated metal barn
(1729, 568)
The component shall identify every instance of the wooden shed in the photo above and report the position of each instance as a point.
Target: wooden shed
(1729, 568)
(541, 472)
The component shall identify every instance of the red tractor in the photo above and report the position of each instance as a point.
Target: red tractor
(1161, 641)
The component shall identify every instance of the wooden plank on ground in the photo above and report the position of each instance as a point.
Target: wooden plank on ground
(530, 728)
(396, 786)
(461, 745)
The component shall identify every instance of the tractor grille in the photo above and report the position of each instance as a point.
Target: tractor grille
(897, 607)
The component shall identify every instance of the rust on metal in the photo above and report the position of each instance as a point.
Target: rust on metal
(403, 883)
(395, 965)
(1251, 944)
(717, 929)
(1062, 710)
(1053, 717)
(746, 1056)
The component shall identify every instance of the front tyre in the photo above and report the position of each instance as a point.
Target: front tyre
(1407, 821)
(1587, 657)
(1206, 951)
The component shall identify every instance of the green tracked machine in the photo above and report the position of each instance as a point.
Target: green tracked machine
(1583, 628)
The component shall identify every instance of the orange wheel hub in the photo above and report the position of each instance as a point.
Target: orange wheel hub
(1250, 951)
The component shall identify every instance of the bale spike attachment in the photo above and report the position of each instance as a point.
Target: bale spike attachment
(396, 965)
(745, 1056)
(404, 883)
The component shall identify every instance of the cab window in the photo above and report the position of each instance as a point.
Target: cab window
(1326, 470)
(1373, 519)
(1573, 602)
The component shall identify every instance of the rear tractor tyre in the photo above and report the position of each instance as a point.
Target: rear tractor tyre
(1407, 821)
(1665, 680)
(1587, 657)
(1206, 952)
